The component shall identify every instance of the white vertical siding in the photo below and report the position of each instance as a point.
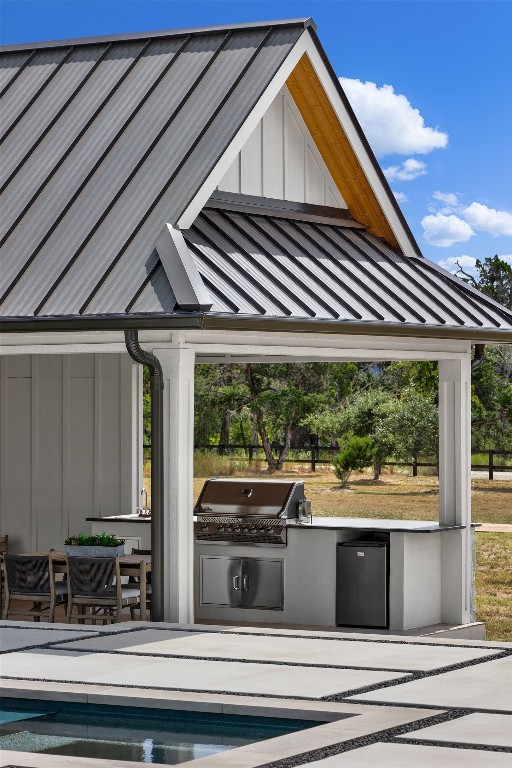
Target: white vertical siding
(251, 165)
(294, 158)
(273, 149)
(70, 444)
(281, 160)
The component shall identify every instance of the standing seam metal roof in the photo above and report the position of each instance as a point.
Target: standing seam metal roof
(267, 265)
(106, 141)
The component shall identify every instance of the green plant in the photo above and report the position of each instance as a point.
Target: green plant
(95, 540)
(356, 454)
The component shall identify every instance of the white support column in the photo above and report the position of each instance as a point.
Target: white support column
(455, 490)
(178, 369)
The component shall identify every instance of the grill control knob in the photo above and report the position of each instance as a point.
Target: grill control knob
(252, 529)
(204, 527)
(237, 529)
(269, 529)
(221, 528)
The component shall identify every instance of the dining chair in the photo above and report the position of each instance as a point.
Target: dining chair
(30, 578)
(148, 578)
(95, 583)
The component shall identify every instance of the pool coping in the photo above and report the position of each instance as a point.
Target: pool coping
(338, 721)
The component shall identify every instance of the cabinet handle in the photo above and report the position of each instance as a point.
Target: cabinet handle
(245, 583)
(236, 583)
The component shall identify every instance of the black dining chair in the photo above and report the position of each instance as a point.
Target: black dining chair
(95, 583)
(30, 578)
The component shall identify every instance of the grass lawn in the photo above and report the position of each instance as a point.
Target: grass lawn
(494, 584)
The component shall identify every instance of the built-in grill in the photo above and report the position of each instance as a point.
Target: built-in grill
(249, 511)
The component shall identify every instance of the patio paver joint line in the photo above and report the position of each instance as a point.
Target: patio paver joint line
(364, 741)
(451, 744)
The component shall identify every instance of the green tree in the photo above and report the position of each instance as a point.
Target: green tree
(492, 379)
(413, 419)
(356, 453)
(282, 396)
(494, 279)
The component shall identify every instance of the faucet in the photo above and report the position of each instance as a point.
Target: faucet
(144, 511)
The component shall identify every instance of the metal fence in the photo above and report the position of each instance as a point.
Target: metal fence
(317, 455)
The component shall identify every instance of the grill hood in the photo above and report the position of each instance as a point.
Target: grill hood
(282, 499)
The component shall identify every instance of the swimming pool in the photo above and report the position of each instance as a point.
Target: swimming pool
(126, 733)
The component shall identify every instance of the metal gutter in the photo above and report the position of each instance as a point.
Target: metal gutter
(364, 141)
(158, 548)
(305, 22)
(181, 321)
(356, 327)
(184, 321)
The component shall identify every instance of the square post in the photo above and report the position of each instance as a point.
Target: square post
(178, 413)
(457, 570)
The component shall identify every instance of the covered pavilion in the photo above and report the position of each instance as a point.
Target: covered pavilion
(198, 196)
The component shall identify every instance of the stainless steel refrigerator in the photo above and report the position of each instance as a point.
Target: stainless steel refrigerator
(362, 579)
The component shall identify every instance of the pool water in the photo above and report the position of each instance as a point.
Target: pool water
(127, 733)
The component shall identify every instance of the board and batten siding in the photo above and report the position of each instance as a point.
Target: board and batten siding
(280, 160)
(71, 444)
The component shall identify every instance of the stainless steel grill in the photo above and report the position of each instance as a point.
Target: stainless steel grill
(249, 511)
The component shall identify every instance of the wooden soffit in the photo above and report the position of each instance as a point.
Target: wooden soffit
(336, 150)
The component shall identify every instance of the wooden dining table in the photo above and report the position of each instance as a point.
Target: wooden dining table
(129, 565)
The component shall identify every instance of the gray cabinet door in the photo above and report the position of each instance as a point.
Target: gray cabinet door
(235, 582)
(221, 581)
(262, 583)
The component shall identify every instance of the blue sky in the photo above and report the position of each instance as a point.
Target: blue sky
(442, 127)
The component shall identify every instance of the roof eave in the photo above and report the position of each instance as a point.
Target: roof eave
(314, 325)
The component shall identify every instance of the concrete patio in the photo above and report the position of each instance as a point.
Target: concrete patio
(397, 701)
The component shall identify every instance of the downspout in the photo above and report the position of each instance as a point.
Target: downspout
(157, 470)
(478, 357)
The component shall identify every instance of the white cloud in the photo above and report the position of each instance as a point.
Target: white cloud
(488, 219)
(408, 171)
(448, 198)
(401, 197)
(444, 231)
(392, 125)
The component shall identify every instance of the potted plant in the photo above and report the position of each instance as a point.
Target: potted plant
(95, 545)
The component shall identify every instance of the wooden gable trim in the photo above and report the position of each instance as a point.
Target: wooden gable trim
(336, 150)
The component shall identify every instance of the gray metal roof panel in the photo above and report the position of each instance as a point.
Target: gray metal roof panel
(32, 79)
(75, 72)
(11, 67)
(114, 154)
(156, 295)
(364, 272)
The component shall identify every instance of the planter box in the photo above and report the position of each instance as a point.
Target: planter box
(74, 550)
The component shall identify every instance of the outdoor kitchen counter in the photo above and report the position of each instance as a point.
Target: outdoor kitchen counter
(309, 565)
(374, 525)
